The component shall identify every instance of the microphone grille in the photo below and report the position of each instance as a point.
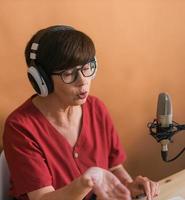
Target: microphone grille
(164, 105)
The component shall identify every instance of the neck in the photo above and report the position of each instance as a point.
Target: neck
(52, 107)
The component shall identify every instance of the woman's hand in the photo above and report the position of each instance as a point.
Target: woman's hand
(105, 185)
(143, 185)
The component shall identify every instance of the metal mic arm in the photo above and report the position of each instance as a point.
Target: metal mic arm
(165, 134)
(181, 127)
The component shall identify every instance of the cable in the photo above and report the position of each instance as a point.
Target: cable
(164, 155)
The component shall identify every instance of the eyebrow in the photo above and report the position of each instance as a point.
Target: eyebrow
(80, 66)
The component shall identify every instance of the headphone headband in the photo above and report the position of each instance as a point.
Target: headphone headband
(39, 35)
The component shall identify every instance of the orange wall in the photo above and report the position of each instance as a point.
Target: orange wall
(140, 50)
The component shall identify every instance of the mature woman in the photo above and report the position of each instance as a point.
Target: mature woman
(61, 143)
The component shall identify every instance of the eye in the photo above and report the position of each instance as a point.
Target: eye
(68, 73)
(86, 68)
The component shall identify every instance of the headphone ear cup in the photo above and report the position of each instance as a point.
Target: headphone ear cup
(40, 81)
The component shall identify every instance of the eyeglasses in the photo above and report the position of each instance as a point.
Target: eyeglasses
(70, 75)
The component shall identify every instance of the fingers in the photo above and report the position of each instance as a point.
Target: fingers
(118, 192)
(110, 195)
(121, 188)
(156, 189)
(113, 190)
(151, 188)
(87, 181)
(122, 192)
(146, 184)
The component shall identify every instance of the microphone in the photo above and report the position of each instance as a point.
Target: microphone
(163, 128)
(164, 121)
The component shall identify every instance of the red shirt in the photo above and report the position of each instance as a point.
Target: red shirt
(38, 155)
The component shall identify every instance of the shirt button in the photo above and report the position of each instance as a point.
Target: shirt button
(76, 155)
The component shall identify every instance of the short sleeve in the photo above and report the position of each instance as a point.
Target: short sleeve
(117, 154)
(25, 159)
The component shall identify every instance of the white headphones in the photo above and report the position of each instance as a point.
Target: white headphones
(40, 81)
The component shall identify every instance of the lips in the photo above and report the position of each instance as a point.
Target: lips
(82, 95)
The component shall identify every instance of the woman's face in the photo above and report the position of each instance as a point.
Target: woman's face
(74, 93)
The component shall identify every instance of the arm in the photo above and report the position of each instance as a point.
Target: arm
(137, 186)
(104, 184)
(120, 172)
(77, 190)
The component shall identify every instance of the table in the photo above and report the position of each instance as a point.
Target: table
(172, 186)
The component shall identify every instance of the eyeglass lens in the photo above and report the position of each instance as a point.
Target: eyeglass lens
(69, 76)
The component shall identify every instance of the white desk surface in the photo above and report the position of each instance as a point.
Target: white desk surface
(172, 186)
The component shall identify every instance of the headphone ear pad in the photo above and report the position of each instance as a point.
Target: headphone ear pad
(40, 81)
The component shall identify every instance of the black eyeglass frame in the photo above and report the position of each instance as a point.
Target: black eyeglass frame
(77, 70)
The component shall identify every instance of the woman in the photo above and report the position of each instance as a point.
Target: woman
(61, 144)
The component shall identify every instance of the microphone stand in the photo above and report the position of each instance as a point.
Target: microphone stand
(164, 135)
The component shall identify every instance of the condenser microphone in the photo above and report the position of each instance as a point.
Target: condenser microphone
(164, 120)
(163, 128)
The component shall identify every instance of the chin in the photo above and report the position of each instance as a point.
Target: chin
(80, 102)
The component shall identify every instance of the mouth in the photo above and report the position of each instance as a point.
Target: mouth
(82, 95)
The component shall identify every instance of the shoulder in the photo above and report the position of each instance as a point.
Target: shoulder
(96, 107)
(21, 113)
(21, 123)
(96, 103)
